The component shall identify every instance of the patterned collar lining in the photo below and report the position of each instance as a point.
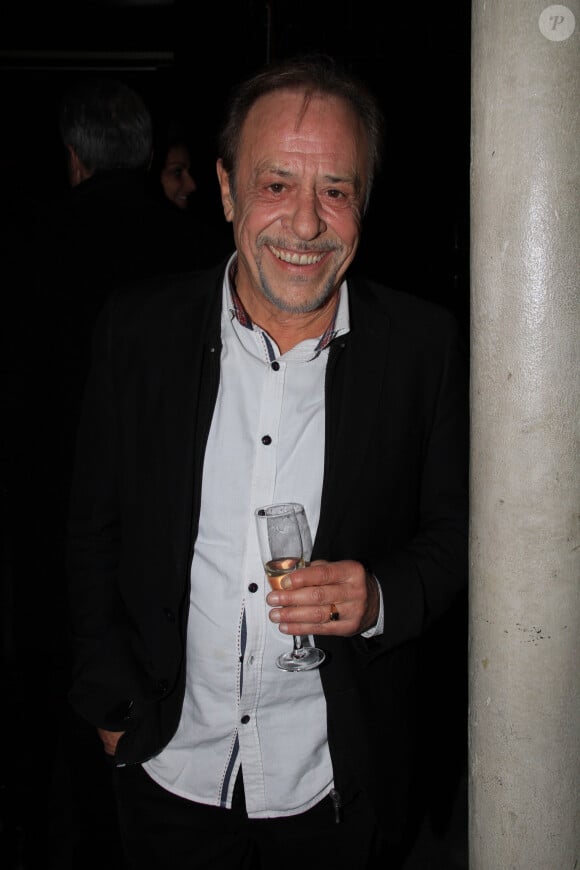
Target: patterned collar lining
(244, 319)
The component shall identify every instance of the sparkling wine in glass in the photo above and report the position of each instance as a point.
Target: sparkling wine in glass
(285, 545)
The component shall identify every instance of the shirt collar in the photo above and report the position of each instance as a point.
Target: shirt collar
(339, 324)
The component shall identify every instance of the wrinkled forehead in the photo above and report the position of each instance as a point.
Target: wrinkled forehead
(293, 107)
(295, 121)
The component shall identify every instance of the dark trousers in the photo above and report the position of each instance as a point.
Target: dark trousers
(161, 831)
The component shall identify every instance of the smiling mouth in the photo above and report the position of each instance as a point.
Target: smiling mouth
(296, 259)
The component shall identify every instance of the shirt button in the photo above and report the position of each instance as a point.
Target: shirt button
(253, 587)
(266, 439)
(275, 366)
(245, 719)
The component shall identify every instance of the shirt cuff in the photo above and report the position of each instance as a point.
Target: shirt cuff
(380, 624)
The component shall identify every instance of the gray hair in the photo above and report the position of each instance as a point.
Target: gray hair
(108, 124)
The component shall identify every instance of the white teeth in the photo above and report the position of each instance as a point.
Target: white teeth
(297, 259)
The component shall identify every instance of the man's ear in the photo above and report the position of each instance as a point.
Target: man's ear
(227, 199)
(77, 171)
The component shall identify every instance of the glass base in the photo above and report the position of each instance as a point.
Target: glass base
(304, 659)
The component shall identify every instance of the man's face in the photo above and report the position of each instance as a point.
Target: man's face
(296, 213)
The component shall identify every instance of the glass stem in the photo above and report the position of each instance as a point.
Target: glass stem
(297, 644)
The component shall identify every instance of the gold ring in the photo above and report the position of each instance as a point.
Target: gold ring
(334, 614)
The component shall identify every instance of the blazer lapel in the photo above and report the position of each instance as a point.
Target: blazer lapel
(184, 377)
(355, 378)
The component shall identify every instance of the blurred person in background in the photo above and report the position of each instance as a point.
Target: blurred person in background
(172, 167)
(179, 180)
(104, 227)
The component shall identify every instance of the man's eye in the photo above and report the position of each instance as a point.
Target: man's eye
(276, 187)
(335, 194)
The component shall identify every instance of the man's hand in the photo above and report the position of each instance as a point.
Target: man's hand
(110, 740)
(304, 606)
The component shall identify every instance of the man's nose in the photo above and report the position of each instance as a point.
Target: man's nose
(307, 222)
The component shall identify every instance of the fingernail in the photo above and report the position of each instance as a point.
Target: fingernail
(286, 583)
(273, 599)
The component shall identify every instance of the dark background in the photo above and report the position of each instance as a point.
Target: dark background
(184, 57)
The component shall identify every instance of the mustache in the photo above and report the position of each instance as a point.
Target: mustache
(301, 246)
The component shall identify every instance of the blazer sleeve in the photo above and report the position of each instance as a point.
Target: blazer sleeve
(108, 680)
(422, 575)
(396, 483)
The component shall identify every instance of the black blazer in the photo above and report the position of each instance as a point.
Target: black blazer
(395, 496)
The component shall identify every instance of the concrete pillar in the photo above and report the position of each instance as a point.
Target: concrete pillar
(524, 623)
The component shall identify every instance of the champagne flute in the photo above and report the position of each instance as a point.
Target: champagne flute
(285, 546)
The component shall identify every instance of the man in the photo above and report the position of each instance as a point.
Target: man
(274, 377)
(112, 222)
